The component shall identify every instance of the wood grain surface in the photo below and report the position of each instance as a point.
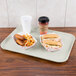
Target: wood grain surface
(14, 64)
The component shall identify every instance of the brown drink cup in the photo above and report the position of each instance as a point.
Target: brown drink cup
(43, 24)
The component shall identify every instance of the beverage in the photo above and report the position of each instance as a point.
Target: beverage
(43, 24)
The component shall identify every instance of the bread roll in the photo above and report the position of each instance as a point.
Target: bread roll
(49, 36)
(52, 43)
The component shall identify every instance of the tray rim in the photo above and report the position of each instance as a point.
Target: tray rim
(66, 58)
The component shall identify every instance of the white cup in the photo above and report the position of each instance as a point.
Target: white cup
(26, 23)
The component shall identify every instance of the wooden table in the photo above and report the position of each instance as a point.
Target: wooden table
(14, 64)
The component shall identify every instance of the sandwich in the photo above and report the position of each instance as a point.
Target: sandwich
(51, 37)
(51, 41)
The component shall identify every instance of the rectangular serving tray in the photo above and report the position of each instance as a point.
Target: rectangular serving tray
(38, 50)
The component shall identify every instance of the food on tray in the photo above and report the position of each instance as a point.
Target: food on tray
(51, 41)
(24, 40)
(20, 42)
(51, 37)
(17, 36)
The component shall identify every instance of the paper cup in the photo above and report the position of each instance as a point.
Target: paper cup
(25, 47)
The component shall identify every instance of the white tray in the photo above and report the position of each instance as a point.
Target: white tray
(38, 50)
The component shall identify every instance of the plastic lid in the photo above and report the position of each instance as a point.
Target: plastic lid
(43, 19)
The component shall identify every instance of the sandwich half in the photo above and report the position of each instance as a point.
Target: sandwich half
(50, 37)
(52, 44)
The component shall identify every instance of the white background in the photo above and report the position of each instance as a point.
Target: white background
(62, 13)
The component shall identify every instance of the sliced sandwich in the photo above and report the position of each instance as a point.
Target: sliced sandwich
(50, 37)
(51, 43)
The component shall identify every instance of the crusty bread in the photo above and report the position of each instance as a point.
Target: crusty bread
(51, 42)
(49, 36)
